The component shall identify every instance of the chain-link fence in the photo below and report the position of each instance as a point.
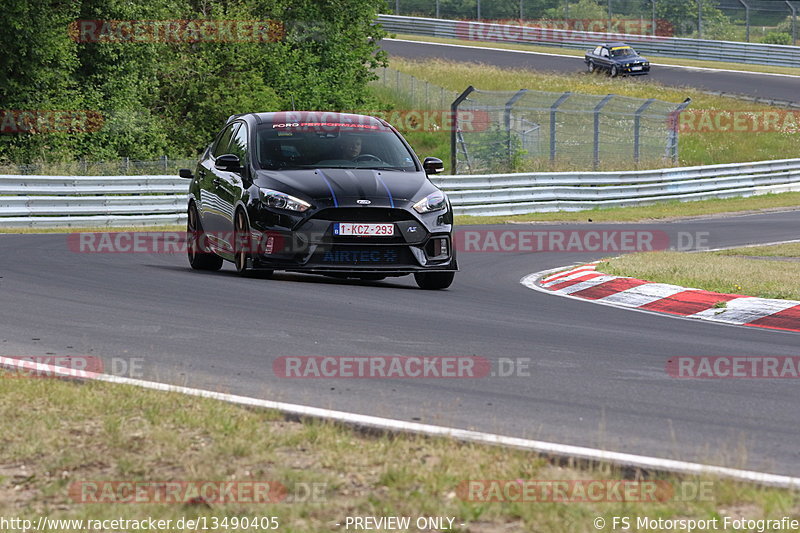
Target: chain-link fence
(767, 21)
(118, 167)
(411, 92)
(500, 131)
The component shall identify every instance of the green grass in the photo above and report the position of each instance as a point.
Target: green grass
(738, 271)
(662, 211)
(55, 433)
(744, 67)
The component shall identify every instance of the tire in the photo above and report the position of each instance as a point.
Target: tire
(591, 67)
(200, 257)
(614, 71)
(242, 246)
(434, 280)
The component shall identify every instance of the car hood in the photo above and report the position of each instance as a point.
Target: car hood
(344, 186)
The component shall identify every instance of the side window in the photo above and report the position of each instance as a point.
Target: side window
(604, 52)
(598, 50)
(238, 145)
(221, 148)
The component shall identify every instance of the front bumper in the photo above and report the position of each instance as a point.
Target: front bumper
(415, 246)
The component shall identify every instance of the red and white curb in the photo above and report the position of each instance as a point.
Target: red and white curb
(586, 283)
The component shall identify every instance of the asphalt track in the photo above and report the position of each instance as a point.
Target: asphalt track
(597, 375)
(778, 88)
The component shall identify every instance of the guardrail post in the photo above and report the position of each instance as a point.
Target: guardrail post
(454, 126)
(637, 120)
(507, 121)
(553, 108)
(794, 22)
(597, 110)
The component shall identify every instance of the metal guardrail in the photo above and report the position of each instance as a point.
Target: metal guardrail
(96, 201)
(729, 51)
(513, 194)
(91, 201)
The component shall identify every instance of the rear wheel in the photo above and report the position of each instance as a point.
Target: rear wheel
(200, 257)
(434, 280)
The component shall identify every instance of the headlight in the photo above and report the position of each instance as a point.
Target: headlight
(279, 200)
(433, 202)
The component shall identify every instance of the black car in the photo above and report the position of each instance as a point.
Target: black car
(616, 58)
(328, 193)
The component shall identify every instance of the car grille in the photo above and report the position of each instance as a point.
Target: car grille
(363, 214)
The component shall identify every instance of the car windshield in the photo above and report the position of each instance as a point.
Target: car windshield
(331, 145)
(623, 51)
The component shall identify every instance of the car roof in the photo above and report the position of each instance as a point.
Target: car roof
(309, 116)
(614, 45)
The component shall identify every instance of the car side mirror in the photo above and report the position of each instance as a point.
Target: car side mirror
(432, 165)
(228, 163)
(186, 173)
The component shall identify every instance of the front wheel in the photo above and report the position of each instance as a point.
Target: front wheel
(591, 67)
(614, 71)
(434, 280)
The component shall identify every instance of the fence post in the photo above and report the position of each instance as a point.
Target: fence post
(479, 9)
(437, 9)
(653, 2)
(165, 159)
(746, 19)
(700, 19)
(672, 142)
(397, 7)
(553, 108)
(454, 126)
(794, 22)
(596, 142)
(507, 121)
(637, 119)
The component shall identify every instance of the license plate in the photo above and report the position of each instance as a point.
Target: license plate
(363, 230)
(636, 68)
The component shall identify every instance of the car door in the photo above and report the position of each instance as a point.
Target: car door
(605, 58)
(230, 186)
(213, 205)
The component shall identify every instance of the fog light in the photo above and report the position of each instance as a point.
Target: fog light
(270, 245)
(442, 246)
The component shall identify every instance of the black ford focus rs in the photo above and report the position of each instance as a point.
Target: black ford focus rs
(327, 193)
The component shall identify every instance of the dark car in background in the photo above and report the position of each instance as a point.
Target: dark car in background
(328, 193)
(616, 59)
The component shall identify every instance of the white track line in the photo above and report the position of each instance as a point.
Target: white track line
(388, 424)
(530, 52)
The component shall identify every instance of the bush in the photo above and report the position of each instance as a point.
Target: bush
(775, 37)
